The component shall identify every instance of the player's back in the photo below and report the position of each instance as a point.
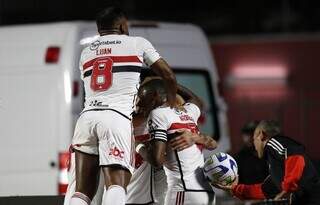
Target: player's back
(183, 168)
(110, 68)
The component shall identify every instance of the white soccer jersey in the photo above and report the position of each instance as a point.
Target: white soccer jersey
(182, 168)
(110, 68)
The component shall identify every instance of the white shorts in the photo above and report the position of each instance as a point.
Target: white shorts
(108, 134)
(147, 186)
(189, 198)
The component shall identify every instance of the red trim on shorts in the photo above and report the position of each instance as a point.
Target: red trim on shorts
(177, 198)
(82, 196)
(180, 198)
(115, 59)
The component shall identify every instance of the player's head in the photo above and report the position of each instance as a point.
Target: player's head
(152, 94)
(265, 130)
(247, 132)
(112, 19)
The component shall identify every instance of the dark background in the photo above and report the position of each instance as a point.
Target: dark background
(215, 17)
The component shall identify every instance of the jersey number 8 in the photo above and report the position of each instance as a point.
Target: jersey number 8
(101, 78)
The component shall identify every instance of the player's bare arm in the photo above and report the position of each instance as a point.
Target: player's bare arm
(162, 69)
(186, 139)
(189, 96)
(154, 152)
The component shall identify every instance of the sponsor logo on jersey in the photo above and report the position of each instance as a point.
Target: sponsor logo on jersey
(95, 45)
(178, 112)
(116, 153)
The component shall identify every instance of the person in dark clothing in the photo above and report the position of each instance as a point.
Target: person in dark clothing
(291, 173)
(251, 169)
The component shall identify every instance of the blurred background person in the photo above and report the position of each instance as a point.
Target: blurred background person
(251, 169)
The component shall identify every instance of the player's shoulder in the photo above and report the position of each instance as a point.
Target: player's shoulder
(191, 107)
(160, 111)
(276, 145)
(141, 40)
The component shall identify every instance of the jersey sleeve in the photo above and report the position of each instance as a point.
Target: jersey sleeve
(244, 191)
(157, 126)
(292, 153)
(149, 53)
(193, 110)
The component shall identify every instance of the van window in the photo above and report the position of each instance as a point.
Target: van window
(199, 82)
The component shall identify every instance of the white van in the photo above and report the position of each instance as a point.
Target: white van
(41, 95)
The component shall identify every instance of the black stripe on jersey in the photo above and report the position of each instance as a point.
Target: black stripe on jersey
(103, 109)
(182, 180)
(151, 189)
(118, 69)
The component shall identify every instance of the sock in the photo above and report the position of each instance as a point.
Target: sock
(115, 195)
(79, 199)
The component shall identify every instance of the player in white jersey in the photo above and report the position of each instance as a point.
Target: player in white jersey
(186, 182)
(110, 69)
(147, 184)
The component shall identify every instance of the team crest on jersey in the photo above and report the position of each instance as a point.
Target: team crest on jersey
(178, 112)
(152, 126)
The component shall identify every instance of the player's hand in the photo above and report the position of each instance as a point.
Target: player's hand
(183, 140)
(227, 188)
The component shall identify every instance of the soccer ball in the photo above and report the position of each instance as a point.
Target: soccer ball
(220, 168)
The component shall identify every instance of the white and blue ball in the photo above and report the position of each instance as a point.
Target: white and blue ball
(220, 168)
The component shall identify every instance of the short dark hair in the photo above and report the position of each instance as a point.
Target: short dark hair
(249, 127)
(107, 18)
(153, 86)
(270, 127)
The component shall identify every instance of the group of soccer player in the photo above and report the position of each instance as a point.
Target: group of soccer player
(137, 141)
(162, 164)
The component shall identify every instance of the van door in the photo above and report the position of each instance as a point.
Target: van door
(29, 105)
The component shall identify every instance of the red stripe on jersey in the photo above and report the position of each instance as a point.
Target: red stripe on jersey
(190, 126)
(142, 138)
(115, 59)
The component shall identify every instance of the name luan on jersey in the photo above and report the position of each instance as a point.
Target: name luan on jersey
(110, 69)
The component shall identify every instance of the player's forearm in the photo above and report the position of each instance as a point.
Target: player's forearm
(152, 155)
(162, 69)
(206, 141)
(189, 96)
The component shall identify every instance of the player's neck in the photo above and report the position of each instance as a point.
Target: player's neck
(110, 32)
